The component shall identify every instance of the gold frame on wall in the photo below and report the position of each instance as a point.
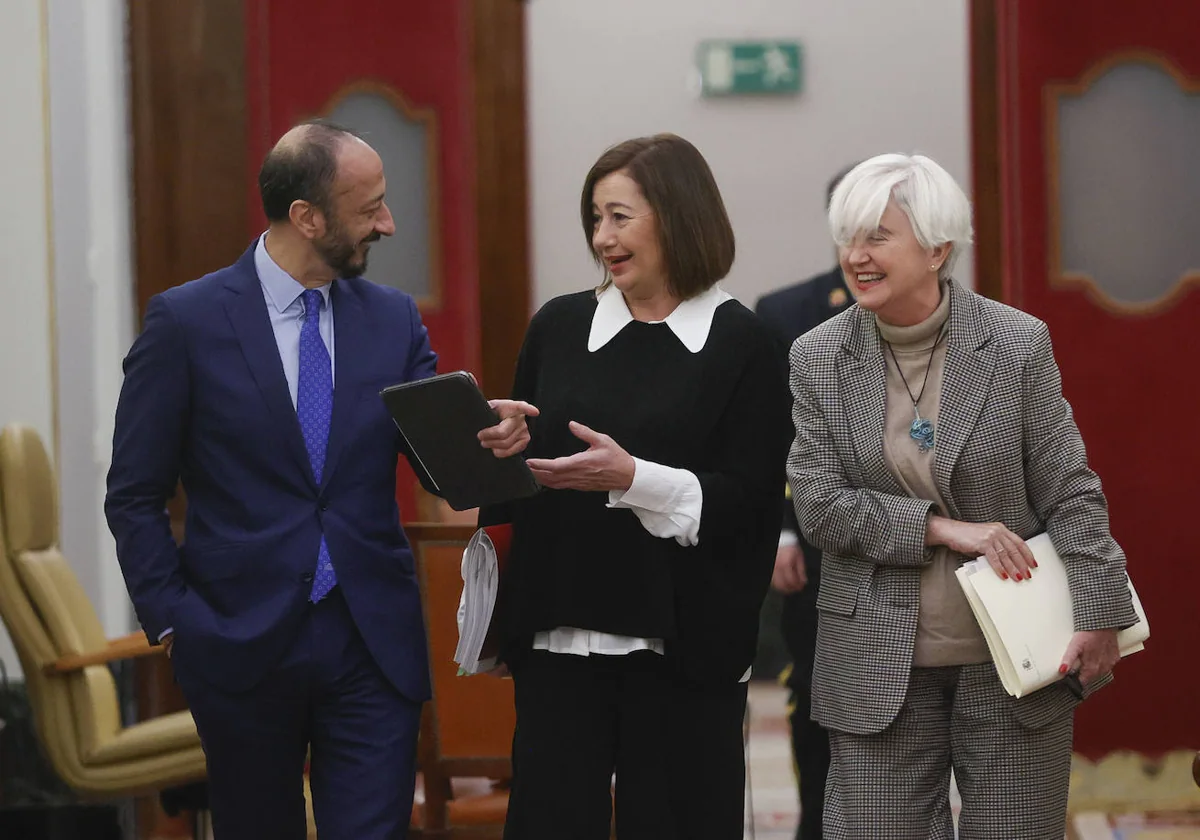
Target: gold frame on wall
(1058, 278)
(432, 302)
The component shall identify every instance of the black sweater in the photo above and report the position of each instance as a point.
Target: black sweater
(721, 413)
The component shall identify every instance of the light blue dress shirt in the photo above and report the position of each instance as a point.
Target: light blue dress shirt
(285, 306)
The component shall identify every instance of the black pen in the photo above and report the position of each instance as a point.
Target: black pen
(1073, 683)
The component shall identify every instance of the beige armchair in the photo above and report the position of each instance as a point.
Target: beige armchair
(64, 652)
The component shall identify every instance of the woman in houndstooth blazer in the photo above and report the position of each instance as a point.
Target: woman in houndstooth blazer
(931, 428)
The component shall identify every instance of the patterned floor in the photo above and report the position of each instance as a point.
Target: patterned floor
(772, 808)
(1123, 798)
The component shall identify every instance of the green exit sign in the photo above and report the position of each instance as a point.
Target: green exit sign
(732, 68)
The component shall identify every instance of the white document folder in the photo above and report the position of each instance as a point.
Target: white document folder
(1028, 624)
(481, 579)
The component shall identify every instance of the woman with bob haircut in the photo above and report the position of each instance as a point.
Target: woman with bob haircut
(930, 429)
(629, 607)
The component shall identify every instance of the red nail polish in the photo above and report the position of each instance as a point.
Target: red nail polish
(1017, 576)
(1004, 576)
(1035, 564)
(1062, 669)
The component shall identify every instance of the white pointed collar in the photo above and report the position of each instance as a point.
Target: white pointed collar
(691, 320)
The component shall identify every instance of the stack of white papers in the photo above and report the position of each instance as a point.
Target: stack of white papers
(1028, 624)
(481, 578)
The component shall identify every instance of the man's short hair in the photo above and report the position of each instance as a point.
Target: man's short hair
(303, 170)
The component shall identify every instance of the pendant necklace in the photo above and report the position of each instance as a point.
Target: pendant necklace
(921, 429)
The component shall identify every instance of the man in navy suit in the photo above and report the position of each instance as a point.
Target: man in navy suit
(790, 312)
(291, 613)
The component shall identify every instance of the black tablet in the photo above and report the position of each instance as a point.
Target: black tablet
(440, 419)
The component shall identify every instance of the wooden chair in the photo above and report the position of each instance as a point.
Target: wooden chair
(467, 730)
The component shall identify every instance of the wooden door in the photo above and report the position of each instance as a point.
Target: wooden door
(437, 89)
(440, 89)
(1087, 119)
(400, 72)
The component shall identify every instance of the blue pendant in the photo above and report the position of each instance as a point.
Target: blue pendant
(921, 431)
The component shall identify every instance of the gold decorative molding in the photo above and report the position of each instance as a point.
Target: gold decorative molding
(1058, 278)
(432, 301)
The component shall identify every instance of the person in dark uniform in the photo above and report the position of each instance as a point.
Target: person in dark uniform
(789, 313)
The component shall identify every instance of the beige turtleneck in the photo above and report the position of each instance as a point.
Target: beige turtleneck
(947, 633)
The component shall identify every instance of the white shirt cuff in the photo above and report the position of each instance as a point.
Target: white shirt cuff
(666, 500)
(788, 537)
(166, 633)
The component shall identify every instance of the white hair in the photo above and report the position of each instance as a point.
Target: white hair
(935, 204)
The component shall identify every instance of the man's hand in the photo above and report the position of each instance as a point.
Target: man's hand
(790, 574)
(602, 466)
(511, 435)
(168, 642)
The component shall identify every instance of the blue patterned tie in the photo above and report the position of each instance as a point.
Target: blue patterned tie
(314, 407)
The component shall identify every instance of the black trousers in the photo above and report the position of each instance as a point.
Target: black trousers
(674, 748)
(810, 741)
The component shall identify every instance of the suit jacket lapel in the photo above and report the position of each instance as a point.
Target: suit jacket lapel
(247, 311)
(966, 383)
(350, 346)
(862, 379)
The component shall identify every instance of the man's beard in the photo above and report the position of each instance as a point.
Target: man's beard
(338, 250)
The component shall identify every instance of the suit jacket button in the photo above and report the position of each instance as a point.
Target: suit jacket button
(324, 505)
(307, 577)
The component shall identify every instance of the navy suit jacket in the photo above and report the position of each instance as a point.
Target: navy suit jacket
(794, 310)
(205, 401)
(790, 312)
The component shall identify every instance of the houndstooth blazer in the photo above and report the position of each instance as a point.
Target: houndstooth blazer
(1008, 450)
